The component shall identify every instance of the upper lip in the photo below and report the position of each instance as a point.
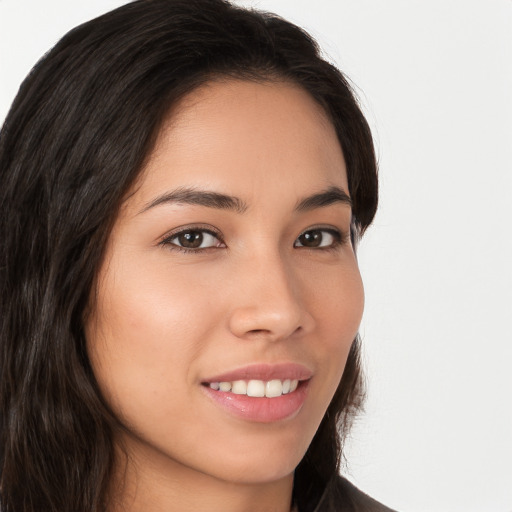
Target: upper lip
(264, 372)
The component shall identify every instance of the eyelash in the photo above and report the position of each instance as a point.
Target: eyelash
(340, 238)
(167, 241)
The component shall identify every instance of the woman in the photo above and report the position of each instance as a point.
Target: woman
(182, 187)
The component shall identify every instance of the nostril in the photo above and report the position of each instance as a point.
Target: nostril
(270, 333)
(264, 319)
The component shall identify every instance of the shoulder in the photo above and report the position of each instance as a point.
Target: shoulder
(343, 496)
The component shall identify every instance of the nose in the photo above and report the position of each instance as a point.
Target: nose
(268, 303)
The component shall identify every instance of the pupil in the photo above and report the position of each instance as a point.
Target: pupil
(311, 239)
(191, 239)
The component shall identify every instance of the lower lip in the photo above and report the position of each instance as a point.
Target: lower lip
(262, 410)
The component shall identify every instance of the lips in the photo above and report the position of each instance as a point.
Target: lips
(264, 372)
(261, 393)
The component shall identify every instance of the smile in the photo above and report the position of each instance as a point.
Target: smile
(263, 393)
(257, 388)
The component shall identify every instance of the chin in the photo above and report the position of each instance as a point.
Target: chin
(253, 471)
(259, 461)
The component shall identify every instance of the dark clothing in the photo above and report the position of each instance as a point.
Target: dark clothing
(343, 496)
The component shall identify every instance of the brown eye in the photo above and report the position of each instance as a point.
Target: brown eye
(190, 239)
(318, 238)
(194, 239)
(311, 238)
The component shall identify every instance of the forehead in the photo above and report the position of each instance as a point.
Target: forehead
(247, 139)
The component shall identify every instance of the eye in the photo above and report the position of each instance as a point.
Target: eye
(193, 239)
(319, 238)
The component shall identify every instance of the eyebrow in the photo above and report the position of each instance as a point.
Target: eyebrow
(330, 196)
(210, 199)
(185, 195)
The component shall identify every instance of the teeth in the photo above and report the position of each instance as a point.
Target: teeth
(225, 386)
(257, 388)
(239, 387)
(273, 388)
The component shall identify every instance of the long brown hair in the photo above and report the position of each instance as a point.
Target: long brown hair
(73, 142)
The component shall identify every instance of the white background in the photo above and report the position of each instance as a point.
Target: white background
(435, 78)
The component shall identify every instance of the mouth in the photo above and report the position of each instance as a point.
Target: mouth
(256, 388)
(261, 393)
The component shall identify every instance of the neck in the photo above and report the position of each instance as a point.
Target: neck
(160, 485)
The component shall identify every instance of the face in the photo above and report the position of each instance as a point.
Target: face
(229, 273)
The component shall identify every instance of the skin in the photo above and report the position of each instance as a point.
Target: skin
(164, 320)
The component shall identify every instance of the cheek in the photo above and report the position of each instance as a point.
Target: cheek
(336, 300)
(146, 331)
(337, 306)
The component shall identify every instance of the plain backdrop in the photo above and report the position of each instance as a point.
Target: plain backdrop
(435, 80)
